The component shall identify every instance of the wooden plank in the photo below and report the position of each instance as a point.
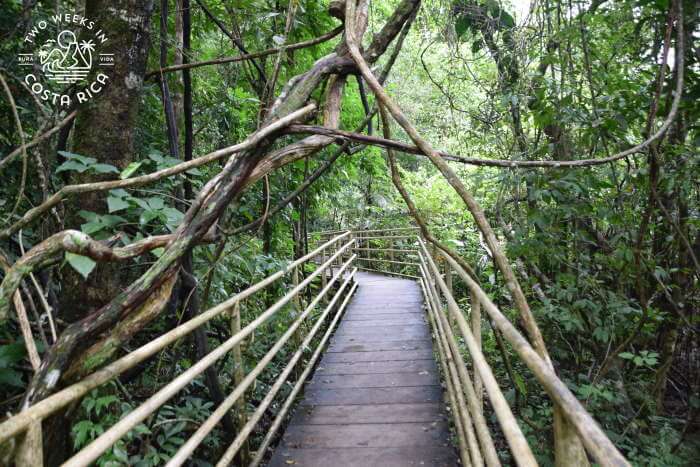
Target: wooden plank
(395, 332)
(378, 413)
(368, 311)
(382, 356)
(379, 335)
(367, 435)
(385, 329)
(383, 380)
(372, 323)
(358, 316)
(352, 345)
(423, 456)
(385, 297)
(361, 368)
(364, 396)
(375, 399)
(386, 301)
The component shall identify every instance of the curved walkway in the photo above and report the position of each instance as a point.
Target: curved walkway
(375, 398)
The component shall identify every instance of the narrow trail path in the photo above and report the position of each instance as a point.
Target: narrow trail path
(375, 398)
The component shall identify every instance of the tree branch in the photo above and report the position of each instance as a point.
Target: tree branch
(73, 241)
(70, 190)
(250, 56)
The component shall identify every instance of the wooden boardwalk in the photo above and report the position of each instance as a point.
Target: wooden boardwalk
(375, 398)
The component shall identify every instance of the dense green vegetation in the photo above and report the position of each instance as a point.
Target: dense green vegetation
(606, 253)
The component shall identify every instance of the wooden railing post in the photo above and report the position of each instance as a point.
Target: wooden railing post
(476, 330)
(391, 256)
(30, 452)
(298, 307)
(238, 376)
(448, 277)
(365, 246)
(324, 281)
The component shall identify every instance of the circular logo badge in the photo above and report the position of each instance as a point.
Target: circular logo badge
(63, 52)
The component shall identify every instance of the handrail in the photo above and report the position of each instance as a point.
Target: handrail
(337, 256)
(188, 448)
(29, 418)
(594, 439)
(92, 451)
(516, 439)
(456, 397)
(476, 445)
(331, 232)
(300, 382)
(238, 442)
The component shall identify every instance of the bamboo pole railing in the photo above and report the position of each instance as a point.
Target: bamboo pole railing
(594, 439)
(457, 340)
(597, 444)
(336, 232)
(299, 384)
(378, 249)
(26, 425)
(468, 375)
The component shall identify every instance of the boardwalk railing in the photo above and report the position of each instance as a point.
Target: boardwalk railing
(333, 296)
(465, 368)
(389, 251)
(402, 252)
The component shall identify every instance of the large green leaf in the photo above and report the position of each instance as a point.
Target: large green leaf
(462, 25)
(10, 378)
(82, 264)
(83, 159)
(130, 169)
(11, 354)
(115, 204)
(104, 168)
(72, 166)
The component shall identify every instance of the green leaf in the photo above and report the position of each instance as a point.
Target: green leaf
(520, 383)
(130, 169)
(81, 430)
(119, 193)
(92, 227)
(111, 221)
(104, 402)
(626, 355)
(148, 216)
(142, 204)
(82, 264)
(156, 202)
(462, 25)
(174, 217)
(72, 156)
(104, 168)
(10, 378)
(88, 215)
(73, 166)
(11, 354)
(507, 20)
(155, 155)
(116, 204)
(121, 454)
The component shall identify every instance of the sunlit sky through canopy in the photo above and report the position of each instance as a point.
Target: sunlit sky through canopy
(521, 8)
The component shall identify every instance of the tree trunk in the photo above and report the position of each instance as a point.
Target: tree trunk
(104, 129)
